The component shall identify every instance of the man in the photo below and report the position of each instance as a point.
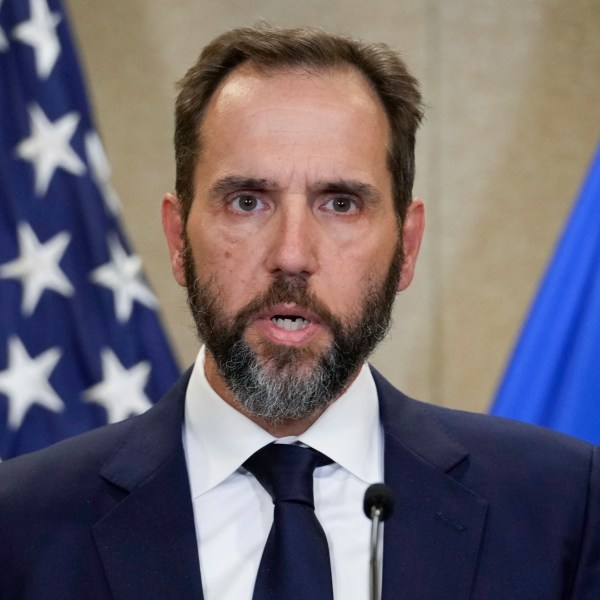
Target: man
(292, 228)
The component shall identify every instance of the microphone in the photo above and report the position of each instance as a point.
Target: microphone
(378, 505)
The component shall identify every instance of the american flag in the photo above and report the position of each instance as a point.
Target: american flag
(80, 339)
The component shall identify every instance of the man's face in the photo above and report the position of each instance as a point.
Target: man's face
(292, 251)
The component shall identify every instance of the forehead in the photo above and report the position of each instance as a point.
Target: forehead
(248, 82)
(312, 115)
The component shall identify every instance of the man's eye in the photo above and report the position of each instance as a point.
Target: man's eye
(341, 204)
(246, 203)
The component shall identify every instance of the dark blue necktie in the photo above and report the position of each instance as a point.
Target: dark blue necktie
(295, 563)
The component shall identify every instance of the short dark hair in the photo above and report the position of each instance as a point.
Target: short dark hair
(270, 49)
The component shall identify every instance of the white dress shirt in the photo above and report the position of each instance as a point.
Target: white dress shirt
(233, 513)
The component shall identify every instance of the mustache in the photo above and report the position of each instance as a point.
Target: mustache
(287, 289)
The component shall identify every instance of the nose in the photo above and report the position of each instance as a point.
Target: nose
(294, 239)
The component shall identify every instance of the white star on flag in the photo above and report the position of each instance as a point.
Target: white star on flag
(123, 275)
(38, 267)
(3, 40)
(121, 391)
(100, 171)
(25, 381)
(40, 32)
(48, 147)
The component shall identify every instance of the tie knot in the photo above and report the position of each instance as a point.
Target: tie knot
(286, 471)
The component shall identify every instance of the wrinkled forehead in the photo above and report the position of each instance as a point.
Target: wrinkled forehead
(297, 130)
(253, 87)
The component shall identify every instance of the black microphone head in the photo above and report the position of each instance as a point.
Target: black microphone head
(379, 495)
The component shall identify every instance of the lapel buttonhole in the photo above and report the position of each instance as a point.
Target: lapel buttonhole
(444, 519)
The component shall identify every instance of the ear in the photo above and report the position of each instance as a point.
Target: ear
(172, 223)
(412, 234)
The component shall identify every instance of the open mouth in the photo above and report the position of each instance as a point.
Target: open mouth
(290, 322)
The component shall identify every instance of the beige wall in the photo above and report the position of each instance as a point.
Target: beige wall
(513, 90)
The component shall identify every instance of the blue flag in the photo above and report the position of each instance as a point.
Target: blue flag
(553, 378)
(80, 339)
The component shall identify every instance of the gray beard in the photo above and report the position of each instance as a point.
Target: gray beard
(283, 395)
(275, 384)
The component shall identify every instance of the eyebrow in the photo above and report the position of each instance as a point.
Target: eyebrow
(232, 183)
(352, 187)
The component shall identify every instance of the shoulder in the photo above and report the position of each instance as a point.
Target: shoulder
(63, 469)
(498, 435)
(505, 450)
(541, 490)
(70, 470)
(494, 447)
(51, 500)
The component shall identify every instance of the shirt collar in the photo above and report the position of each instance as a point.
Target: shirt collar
(218, 439)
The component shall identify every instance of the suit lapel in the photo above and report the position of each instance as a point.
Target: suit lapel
(147, 542)
(431, 543)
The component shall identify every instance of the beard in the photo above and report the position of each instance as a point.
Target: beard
(278, 383)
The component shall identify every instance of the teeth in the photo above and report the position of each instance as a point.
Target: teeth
(290, 324)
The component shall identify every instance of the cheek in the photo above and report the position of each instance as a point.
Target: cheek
(215, 262)
(213, 249)
(354, 272)
(228, 257)
(228, 264)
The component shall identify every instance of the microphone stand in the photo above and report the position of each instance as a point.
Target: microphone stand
(378, 506)
(374, 562)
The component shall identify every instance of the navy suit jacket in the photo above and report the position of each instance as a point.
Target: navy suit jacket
(486, 509)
